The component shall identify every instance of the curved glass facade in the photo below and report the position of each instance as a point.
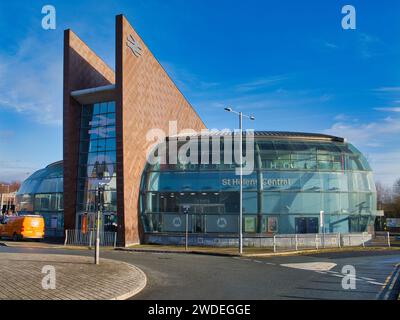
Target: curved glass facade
(42, 193)
(293, 181)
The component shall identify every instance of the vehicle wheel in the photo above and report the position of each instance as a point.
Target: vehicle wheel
(15, 237)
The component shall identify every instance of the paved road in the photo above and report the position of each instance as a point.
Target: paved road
(199, 277)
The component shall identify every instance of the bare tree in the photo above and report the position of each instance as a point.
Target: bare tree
(384, 195)
(396, 188)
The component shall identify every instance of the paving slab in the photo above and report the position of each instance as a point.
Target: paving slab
(30, 277)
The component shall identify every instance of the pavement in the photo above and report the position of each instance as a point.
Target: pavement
(311, 276)
(29, 276)
(247, 251)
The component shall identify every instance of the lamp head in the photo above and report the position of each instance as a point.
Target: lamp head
(228, 109)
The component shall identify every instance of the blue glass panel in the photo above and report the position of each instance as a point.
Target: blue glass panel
(111, 107)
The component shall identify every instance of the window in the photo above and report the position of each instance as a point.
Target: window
(97, 152)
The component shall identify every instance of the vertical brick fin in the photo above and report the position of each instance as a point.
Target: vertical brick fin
(83, 69)
(146, 98)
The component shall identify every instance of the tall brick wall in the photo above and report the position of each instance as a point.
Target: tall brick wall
(146, 98)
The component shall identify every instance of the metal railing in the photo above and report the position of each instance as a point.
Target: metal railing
(328, 240)
(79, 238)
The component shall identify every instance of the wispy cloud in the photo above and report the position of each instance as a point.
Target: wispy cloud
(364, 133)
(12, 170)
(394, 109)
(275, 100)
(31, 81)
(387, 89)
(379, 142)
(330, 45)
(370, 45)
(187, 81)
(261, 83)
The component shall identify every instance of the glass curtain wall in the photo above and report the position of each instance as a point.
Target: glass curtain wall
(97, 153)
(291, 184)
(42, 194)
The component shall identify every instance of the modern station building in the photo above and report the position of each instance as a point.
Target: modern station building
(296, 176)
(42, 193)
(107, 115)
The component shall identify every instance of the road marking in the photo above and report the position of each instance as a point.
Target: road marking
(256, 261)
(368, 279)
(312, 266)
(376, 283)
(338, 275)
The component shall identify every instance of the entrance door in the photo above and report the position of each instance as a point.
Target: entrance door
(306, 225)
(110, 222)
(198, 215)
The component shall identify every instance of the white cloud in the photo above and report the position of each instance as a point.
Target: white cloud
(187, 81)
(378, 140)
(261, 83)
(330, 45)
(386, 166)
(31, 81)
(366, 132)
(387, 89)
(15, 170)
(394, 109)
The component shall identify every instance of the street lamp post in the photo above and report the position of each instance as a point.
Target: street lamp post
(322, 225)
(100, 203)
(241, 115)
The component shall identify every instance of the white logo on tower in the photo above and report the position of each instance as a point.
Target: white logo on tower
(134, 46)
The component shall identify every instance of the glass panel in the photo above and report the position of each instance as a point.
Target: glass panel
(97, 138)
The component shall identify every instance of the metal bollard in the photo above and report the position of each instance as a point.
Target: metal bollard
(339, 239)
(316, 241)
(66, 238)
(90, 239)
(274, 243)
(363, 241)
(388, 237)
(297, 246)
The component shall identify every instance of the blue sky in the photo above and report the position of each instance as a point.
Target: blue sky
(289, 63)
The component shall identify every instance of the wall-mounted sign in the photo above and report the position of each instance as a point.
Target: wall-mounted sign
(134, 45)
(272, 224)
(222, 223)
(253, 182)
(393, 223)
(249, 224)
(177, 222)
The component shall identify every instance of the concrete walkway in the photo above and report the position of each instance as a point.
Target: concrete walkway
(29, 277)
